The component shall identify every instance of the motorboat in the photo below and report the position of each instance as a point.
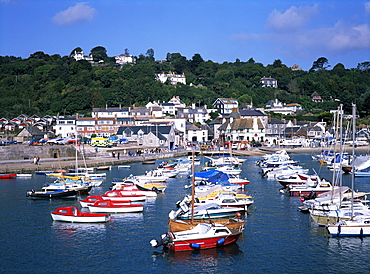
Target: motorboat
(132, 189)
(223, 198)
(73, 215)
(203, 236)
(62, 193)
(111, 207)
(157, 187)
(205, 211)
(297, 179)
(226, 169)
(152, 176)
(284, 170)
(68, 183)
(226, 186)
(306, 190)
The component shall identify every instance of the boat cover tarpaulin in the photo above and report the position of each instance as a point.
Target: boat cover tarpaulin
(212, 176)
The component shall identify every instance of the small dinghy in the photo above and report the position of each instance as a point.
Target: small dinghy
(73, 215)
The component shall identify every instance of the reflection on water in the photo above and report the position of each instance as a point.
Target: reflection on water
(205, 259)
(90, 227)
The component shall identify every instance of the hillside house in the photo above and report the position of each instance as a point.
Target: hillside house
(269, 82)
(174, 79)
(225, 105)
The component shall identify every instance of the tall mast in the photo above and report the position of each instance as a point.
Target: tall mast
(353, 154)
(192, 186)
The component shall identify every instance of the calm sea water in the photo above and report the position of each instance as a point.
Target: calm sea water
(277, 237)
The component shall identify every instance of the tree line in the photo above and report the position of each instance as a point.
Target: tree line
(51, 84)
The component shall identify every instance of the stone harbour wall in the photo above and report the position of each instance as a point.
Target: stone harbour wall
(24, 152)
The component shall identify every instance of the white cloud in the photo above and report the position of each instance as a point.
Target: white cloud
(292, 19)
(77, 13)
(367, 7)
(344, 38)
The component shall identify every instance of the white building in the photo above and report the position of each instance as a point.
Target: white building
(65, 127)
(225, 105)
(173, 78)
(278, 107)
(269, 82)
(196, 134)
(80, 56)
(124, 58)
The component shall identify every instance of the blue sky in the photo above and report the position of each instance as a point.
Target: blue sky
(296, 32)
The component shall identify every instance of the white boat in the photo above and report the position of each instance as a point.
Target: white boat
(24, 175)
(357, 227)
(284, 170)
(338, 211)
(224, 161)
(152, 176)
(205, 211)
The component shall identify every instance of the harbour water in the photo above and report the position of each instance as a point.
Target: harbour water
(277, 237)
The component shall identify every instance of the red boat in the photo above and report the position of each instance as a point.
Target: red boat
(121, 195)
(8, 176)
(92, 199)
(203, 236)
(112, 207)
(74, 215)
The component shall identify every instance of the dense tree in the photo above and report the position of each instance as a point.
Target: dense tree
(99, 53)
(75, 50)
(46, 84)
(320, 63)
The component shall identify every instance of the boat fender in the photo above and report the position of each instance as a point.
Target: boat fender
(195, 245)
(221, 241)
(339, 229)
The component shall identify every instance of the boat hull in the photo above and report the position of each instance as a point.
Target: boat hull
(52, 194)
(81, 219)
(349, 231)
(8, 176)
(116, 209)
(205, 243)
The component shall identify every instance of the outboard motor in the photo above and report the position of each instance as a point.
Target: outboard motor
(165, 240)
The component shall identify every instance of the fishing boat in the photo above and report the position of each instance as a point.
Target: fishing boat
(62, 193)
(8, 176)
(92, 199)
(203, 236)
(73, 215)
(111, 207)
